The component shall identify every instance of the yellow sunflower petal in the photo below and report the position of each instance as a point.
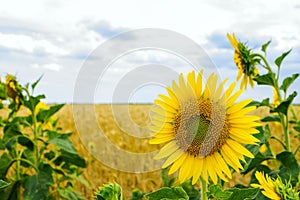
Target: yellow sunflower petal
(204, 170)
(177, 164)
(223, 165)
(231, 158)
(233, 98)
(245, 138)
(219, 91)
(160, 140)
(238, 106)
(211, 170)
(240, 73)
(165, 105)
(242, 112)
(172, 95)
(185, 169)
(197, 169)
(168, 101)
(245, 119)
(191, 79)
(167, 150)
(239, 148)
(177, 154)
(198, 88)
(218, 168)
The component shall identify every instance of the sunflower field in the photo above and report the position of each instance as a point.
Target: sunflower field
(210, 144)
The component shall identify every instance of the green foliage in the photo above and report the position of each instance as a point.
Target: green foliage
(112, 191)
(44, 162)
(217, 192)
(264, 46)
(3, 184)
(279, 60)
(284, 105)
(288, 81)
(137, 195)
(289, 170)
(265, 79)
(167, 193)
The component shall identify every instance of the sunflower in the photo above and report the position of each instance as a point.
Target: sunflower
(12, 90)
(245, 62)
(268, 186)
(203, 129)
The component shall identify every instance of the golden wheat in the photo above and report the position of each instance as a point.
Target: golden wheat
(122, 134)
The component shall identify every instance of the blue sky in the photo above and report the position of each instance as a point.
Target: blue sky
(53, 39)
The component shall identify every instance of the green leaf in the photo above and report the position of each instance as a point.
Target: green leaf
(190, 190)
(264, 102)
(297, 127)
(271, 118)
(288, 81)
(112, 191)
(62, 141)
(2, 91)
(11, 130)
(259, 157)
(5, 163)
(217, 192)
(29, 156)
(3, 184)
(284, 105)
(279, 60)
(45, 114)
(69, 159)
(262, 136)
(264, 46)
(265, 79)
(11, 192)
(69, 193)
(36, 186)
(247, 193)
(32, 102)
(83, 181)
(290, 167)
(36, 82)
(167, 181)
(26, 142)
(137, 195)
(167, 193)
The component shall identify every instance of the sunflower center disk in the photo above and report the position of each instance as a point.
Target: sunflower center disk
(201, 129)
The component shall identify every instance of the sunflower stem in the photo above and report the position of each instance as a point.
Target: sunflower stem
(203, 189)
(267, 66)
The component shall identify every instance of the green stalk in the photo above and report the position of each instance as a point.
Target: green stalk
(203, 189)
(36, 137)
(284, 119)
(18, 168)
(265, 61)
(286, 133)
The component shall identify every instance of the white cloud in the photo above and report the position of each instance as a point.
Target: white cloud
(50, 66)
(59, 35)
(29, 44)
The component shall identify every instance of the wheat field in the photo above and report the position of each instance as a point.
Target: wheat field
(124, 135)
(125, 126)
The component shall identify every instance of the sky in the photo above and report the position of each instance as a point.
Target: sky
(55, 39)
